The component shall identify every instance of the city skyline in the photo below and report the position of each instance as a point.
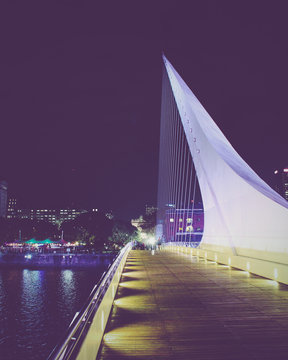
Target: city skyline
(81, 102)
(143, 179)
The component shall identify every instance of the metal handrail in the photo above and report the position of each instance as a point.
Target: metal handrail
(75, 334)
(192, 244)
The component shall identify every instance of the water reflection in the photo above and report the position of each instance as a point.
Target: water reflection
(31, 288)
(36, 307)
(32, 309)
(67, 288)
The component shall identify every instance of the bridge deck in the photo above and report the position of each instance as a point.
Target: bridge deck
(174, 306)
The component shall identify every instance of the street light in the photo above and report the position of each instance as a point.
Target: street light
(152, 241)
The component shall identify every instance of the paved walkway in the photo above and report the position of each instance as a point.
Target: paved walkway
(175, 306)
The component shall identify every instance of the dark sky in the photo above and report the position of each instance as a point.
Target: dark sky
(80, 92)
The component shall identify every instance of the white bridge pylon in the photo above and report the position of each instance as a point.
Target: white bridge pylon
(243, 216)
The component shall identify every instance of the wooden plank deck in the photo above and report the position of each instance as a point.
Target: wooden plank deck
(175, 306)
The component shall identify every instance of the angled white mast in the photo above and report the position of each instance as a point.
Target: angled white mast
(243, 215)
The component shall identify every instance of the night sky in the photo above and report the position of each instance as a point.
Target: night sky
(80, 92)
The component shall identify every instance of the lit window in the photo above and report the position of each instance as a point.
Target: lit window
(171, 220)
(189, 220)
(180, 220)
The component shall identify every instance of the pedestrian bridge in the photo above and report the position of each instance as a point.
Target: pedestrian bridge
(185, 303)
(173, 305)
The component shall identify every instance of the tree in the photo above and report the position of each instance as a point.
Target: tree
(71, 231)
(92, 229)
(149, 223)
(122, 233)
(44, 229)
(10, 228)
(7, 233)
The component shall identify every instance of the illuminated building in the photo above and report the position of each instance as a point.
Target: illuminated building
(138, 223)
(12, 212)
(53, 216)
(150, 210)
(3, 198)
(69, 214)
(184, 225)
(109, 215)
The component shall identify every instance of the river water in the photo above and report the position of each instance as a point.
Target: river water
(37, 306)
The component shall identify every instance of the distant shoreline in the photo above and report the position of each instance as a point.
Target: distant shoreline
(51, 260)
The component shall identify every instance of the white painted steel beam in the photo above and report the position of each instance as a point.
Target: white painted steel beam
(243, 215)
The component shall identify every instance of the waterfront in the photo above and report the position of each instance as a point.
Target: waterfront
(37, 306)
(35, 260)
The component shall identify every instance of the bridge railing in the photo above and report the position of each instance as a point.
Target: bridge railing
(92, 319)
(191, 244)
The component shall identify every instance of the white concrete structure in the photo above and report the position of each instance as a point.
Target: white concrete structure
(243, 215)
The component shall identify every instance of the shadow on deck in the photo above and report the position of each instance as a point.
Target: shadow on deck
(176, 306)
